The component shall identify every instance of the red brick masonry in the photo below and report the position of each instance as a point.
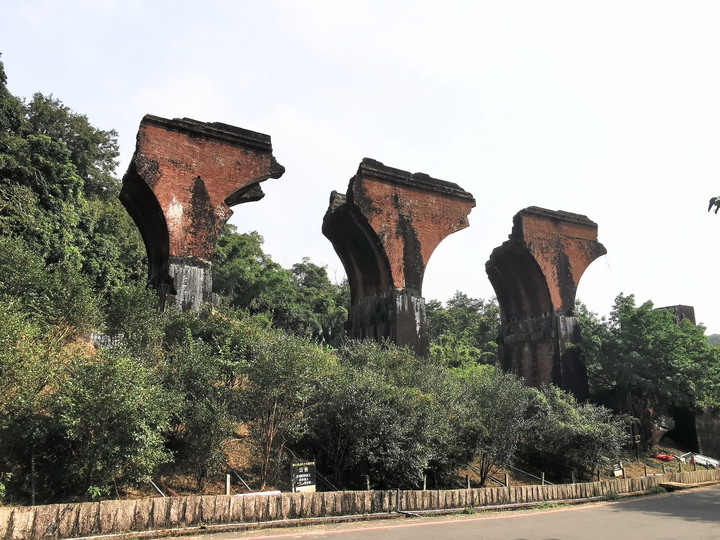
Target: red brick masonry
(385, 230)
(535, 275)
(179, 187)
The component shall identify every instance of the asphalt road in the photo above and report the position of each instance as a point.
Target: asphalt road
(690, 514)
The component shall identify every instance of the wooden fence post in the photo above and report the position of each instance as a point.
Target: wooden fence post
(542, 478)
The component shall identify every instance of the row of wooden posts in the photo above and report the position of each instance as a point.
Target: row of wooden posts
(506, 482)
(113, 519)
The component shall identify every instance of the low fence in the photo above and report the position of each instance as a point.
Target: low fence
(116, 517)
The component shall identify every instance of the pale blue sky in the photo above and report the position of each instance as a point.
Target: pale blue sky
(608, 109)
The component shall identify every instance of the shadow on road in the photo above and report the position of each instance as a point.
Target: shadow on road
(697, 504)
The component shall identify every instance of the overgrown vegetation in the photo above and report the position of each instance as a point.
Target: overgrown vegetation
(641, 360)
(268, 364)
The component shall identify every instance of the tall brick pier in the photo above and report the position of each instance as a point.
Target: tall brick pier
(384, 230)
(535, 274)
(182, 180)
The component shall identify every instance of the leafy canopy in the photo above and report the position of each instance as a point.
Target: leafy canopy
(464, 331)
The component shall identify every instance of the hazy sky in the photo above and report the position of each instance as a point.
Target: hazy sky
(607, 109)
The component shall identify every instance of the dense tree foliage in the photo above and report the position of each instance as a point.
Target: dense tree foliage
(302, 300)
(58, 192)
(279, 386)
(56, 296)
(93, 152)
(377, 416)
(496, 417)
(108, 421)
(464, 331)
(641, 359)
(565, 437)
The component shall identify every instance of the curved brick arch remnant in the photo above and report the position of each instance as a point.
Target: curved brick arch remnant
(183, 178)
(385, 230)
(535, 274)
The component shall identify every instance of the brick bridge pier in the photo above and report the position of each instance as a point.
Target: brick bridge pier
(535, 274)
(183, 178)
(384, 230)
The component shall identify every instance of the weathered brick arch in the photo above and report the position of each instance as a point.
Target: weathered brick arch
(384, 231)
(523, 288)
(183, 178)
(535, 274)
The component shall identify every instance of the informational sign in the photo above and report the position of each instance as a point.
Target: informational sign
(302, 476)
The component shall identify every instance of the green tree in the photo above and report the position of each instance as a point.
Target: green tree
(465, 331)
(278, 386)
(367, 425)
(565, 436)
(247, 276)
(27, 352)
(56, 294)
(494, 416)
(11, 111)
(58, 192)
(398, 365)
(113, 255)
(65, 242)
(322, 305)
(93, 151)
(302, 300)
(81, 421)
(40, 190)
(131, 314)
(110, 414)
(646, 360)
(204, 415)
(41, 199)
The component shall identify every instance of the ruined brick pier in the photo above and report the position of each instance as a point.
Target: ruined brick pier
(535, 275)
(384, 230)
(182, 180)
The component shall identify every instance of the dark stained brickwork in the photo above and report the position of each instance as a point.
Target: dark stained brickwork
(179, 187)
(535, 275)
(384, 230)
(682, 312)
(707, 426)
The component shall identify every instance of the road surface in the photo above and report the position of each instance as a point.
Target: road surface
(692, 514)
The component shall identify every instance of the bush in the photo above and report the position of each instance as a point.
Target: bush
(366, 425)
(107, 424)
(566, 436)
(204, 414)
(493, 417)
(279, 380)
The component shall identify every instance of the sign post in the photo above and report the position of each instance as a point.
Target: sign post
(302, 476)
